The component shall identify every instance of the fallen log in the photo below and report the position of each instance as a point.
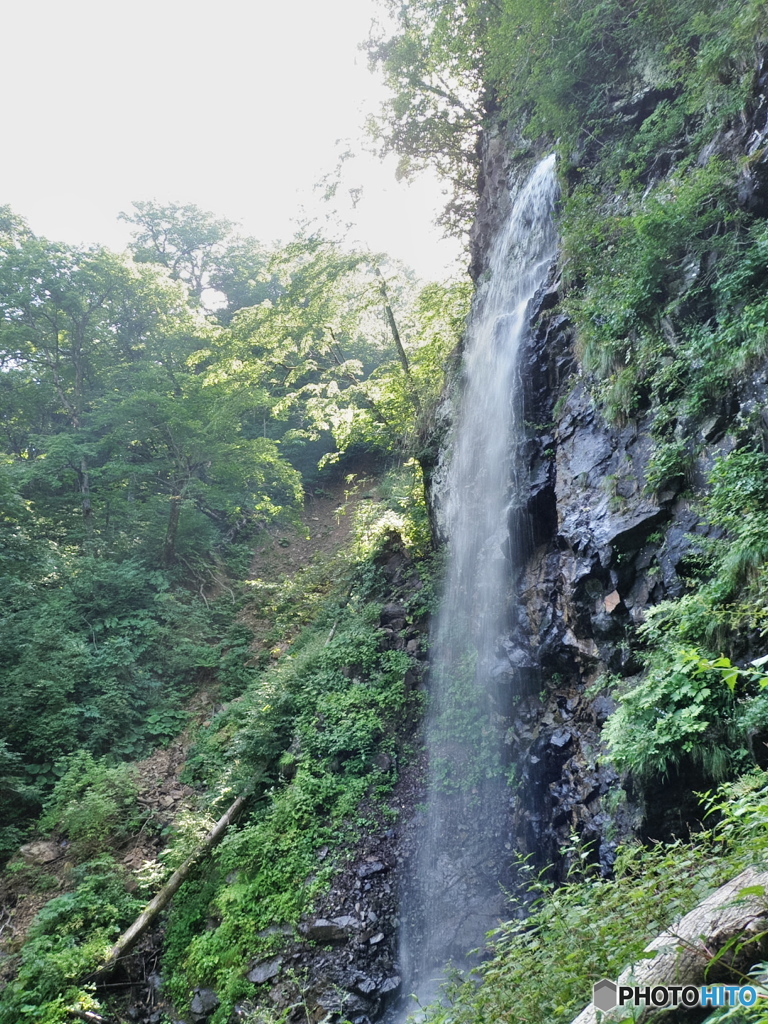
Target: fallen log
(132, 934)
(729, 919)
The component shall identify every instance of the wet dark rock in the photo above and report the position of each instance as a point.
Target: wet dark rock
(603, 708)
(390, 985)
(365, 985)
(265, 971)
(373, 867)
(203, 1004)
(560, 738)
(393, 615)
(339, 929)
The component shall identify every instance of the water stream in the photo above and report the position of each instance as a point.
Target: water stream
(456, 895)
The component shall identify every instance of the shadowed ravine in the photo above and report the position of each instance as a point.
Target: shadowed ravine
(455, 896)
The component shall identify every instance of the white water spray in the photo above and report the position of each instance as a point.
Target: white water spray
(456, 896)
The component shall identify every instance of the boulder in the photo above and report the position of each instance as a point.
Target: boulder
(204, 1002)
(41, 852)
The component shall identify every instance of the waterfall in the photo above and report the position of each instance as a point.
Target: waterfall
(464, 847)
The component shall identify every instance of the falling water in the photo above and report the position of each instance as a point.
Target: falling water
(456, 894)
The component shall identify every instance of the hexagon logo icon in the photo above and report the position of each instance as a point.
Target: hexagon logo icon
(604, 995)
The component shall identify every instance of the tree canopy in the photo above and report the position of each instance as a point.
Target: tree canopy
(146, 440)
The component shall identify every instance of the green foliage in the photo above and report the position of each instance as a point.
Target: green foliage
(67, 940)
(684, 707)
(93, 803)
(144, 445)
(348, 348)
(555, 70)
(308, 736)
(184, 239)
(129, 466)
(433, 64)
(202, 251)
(737, 504)
(89, 670)
(18, 799)
(670, 465)
(545, 961)
(702, 695)
(640, 268)
(401, 512)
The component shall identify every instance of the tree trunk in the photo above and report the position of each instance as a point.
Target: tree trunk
(401, 353)
(684, 952)
(169, 544)
(131, 936)
(85, 492)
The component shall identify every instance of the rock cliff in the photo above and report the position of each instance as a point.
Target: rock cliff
(602, 544)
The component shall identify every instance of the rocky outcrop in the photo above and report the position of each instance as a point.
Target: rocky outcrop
(601, 545)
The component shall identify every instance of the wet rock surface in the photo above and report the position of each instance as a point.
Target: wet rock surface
(601, 546)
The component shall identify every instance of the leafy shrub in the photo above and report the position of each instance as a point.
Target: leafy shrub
(93, 803)
(69, 937)
(670, 465)
(685, 707)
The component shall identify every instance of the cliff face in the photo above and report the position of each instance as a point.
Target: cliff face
(602, 538)
(601, 543)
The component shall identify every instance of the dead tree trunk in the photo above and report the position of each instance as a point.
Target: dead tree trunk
(401, 353)
(684, 952)
(129, 937)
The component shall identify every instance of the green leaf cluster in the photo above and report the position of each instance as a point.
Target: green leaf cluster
(701, 697)
(67, 939)
(93, 803)
(545, 960)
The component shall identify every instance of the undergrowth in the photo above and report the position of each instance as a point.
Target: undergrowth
(545, 961)
(702, 695)
(304, 740)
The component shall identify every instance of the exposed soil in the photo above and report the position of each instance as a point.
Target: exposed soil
(284, 551)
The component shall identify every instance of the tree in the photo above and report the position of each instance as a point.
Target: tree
(242, 275)
(433, 62)
(68, 319)
(110, 399)
(128, 466)
(181, 237)
(180, 446)
(352, 348)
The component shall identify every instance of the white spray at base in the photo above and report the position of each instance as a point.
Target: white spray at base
(455, 895)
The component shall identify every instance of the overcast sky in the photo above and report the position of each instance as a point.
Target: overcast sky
(236, 106)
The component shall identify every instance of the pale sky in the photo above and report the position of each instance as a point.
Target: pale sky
(236, 106)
